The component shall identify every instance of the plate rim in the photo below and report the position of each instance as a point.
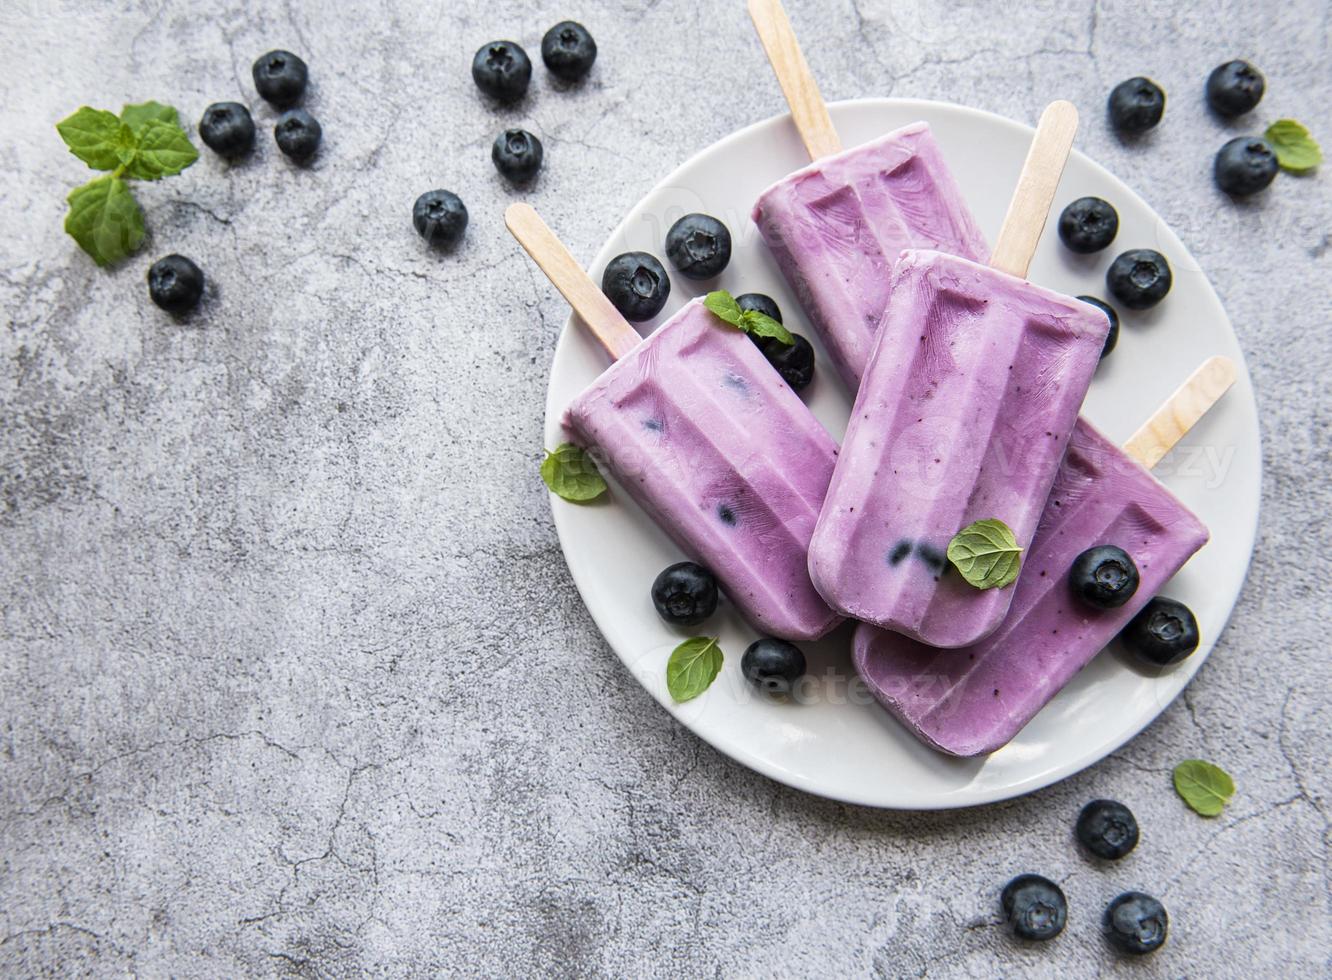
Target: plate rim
(795, 780)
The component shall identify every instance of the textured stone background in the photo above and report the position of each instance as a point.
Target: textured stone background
(293, 677)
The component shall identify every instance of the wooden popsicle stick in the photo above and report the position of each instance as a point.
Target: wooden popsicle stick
(793, 75)
(1181, 411)
(563, 270)
(1035, 192)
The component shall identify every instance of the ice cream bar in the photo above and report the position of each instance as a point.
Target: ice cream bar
(836, 226)
(698, 428)
(967, 403)
(974, 700)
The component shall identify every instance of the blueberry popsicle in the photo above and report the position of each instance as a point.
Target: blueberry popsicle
(836, 226)
(975, 700)
(699, 429)
(968, 400)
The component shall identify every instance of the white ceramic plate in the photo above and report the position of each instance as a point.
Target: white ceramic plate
(836, 741)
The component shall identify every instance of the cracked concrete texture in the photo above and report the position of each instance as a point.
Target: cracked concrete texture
(294, 678)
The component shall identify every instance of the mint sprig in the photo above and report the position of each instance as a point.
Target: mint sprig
(987, 554)
(724, 306)
(1204, 787)
(145, 142)
(1296, 151)
(693, 666)
(570, 473)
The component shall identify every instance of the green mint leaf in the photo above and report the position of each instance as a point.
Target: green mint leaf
(134, 116)
(93, 136)
(693, 666)
(105, 219)
(1296, 151)
(163, 149)
(987, 554)
(1205, 788)
(762, 325)
(570, 473)
(723, 304)
(127, 144)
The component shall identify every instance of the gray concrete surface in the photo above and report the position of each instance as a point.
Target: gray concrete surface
(293, 679)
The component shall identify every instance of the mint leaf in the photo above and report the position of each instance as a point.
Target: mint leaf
(1296, 151)
(723, 304)
(1205, 788)
(163, 150)
(92, 135)
(134, 116)
(105, 219)
(762, 325)
(570, 473)
(127, 144)
(693, 666)
(987, 554)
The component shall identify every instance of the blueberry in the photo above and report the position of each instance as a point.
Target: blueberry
(1034, 907)
(568, 50)
(280, 77)
(1163, 633)
(773, 666)
(1139, 278)
(1104, 577)
(227, 129)
(1234, 88)
(1136, 923)
(685, 594)
(794, 362)
(1107, 829)
(1244, 166)
(760, 303)
(637, 284)
(175, 284)
(1088, 225)
(1112, 337)
(440, 217)
(699, 246)
(517, 154)
(1136, 105)
(502, 70)
(298, 134)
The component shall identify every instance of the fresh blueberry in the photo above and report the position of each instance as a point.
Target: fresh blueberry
(759, 303)
(699, 246)
(1107, 829)
(685, 594)
(1234, 88)
(637, 284)
(1139, 278)
(440, 217)
(794, 362)
(773, 666)
(175, 284)
(1034, 907)
(280, 77)
(1104, 577)
(517, 154)
(502, 70)
(227, 129)
(1163, 633)
(1088, 225)
(1112, 337)
(568, 50)
(298, 134)
(1136, 105)
(1245, 166)
(1136, 923)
